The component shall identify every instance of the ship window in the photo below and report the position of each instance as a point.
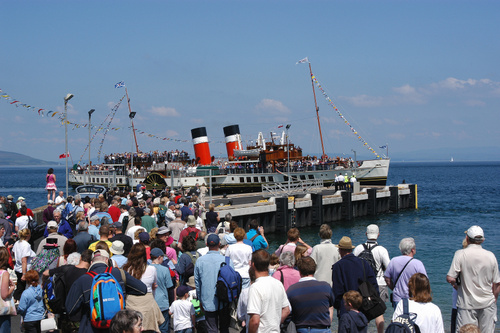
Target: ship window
(303, 177)
(232, 178)
(285, 178)
(249, 179)
(271, 178)
(242, 179)
(214, 180)
(263, 179)
(311, 176)
(256, 179)
(102, 180)
(93, 180)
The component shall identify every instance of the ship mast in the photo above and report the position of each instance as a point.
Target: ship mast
(133, 129)
(317, 112)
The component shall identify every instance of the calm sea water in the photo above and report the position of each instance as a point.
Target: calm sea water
(451, 197)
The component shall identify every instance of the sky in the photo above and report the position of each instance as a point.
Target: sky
(414, 75)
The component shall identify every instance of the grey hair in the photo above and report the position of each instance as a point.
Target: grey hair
(406, 245)
(178, 213)
(83, 225)
(228, 217)
(78, 197)
(132, 212)
(287, 259)
(74, 258)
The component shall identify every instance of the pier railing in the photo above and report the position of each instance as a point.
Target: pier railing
(292, 188)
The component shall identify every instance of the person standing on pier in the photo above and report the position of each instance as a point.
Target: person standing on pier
(51, 184)
(479, 283)
(325, 254)
(380, 257)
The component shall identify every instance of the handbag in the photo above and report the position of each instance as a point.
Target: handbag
(48, 324)
(7, 306)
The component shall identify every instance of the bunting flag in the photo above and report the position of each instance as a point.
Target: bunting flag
(64, 155)
(302, 61)
(353, 130)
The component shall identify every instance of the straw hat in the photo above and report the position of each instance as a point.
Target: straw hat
(345, 243)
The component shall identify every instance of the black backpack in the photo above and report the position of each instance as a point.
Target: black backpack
(35, 229)
(372, 305)
(404, 323)
(54, 294)
(367, 255)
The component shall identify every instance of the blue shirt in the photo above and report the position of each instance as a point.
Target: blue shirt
(164, 281)
(258, 243)
(206, 271)
(120, 260)
(31, 304)
(94, 231)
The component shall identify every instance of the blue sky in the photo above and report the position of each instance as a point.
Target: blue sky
(418, 75)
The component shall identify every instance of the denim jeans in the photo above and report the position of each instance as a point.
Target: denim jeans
(4, 324)
(164, 328)
(186, 330)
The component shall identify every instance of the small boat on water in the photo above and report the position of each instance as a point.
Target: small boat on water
(244, 170)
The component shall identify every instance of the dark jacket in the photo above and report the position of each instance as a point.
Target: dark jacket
(48, 214)
(79, 294)
(347, 274)
(64, 229)
(83, 239)
(353, 322)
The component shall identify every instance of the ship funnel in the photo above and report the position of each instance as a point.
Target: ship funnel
(200, 143)
(233, 140)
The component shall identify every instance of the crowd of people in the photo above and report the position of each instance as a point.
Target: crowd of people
(166, 253)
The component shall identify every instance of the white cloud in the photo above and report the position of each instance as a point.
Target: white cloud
(455, 84)
(474, 102)
(164, 111)
(170, 133)
(271, 105)
(365, 100)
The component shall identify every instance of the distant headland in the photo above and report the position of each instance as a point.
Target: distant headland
(8, 158)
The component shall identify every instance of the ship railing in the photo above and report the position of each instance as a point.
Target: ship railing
(292, 188)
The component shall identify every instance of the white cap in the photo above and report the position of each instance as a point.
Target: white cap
(52, 224)
(372, 231)
(475, 232)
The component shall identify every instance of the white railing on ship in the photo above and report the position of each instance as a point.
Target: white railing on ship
(292, 188)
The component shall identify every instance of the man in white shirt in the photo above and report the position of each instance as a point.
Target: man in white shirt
(381, 258)
(268, 305)
(479, 282)
(60, 201)
(325, 254)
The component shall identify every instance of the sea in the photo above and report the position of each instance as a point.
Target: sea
(452, 196)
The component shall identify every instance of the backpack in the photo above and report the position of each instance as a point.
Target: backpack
(106, 298)
(54, 294)
(228, 287)
(198, 311)
(161, 215)
(189, 271)
(367, 256)
(194, 234)
(404, 323)
(42, 261)
(372, 305)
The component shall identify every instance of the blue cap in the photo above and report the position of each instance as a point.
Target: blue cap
(213, 240)
(156, 252)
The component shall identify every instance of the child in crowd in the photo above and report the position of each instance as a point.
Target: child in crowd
(199, 314)
(31, 304)
(183, 312)
(353, 321)
(274, 264)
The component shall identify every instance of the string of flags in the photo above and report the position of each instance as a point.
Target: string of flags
(329, 100)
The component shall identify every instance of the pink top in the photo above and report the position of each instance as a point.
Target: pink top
(290, 276)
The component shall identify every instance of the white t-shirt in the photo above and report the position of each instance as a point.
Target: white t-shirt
(428, 319)
(381, 256)
(182, 310)
(22, 222)
(149, 277)
(132, 231)
(240, 254)
(267, 297)
(122, 215)
(20, 250)
(59, 202)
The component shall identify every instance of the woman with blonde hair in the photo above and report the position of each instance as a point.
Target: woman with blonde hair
(137, 266)
(429, 318)
(22, 254)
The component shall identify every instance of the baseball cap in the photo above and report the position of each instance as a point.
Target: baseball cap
(52, 224)
(372, 231)
(157, 252)
(10, 197)
(20, 198)
(117, 225)
(475, 232)
(213, 240)
(50, 202)
(182, 290)
(144, 237)
(100, 253)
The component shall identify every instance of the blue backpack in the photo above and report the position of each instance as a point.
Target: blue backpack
(106, 298)
(404, 323)
(228, 286)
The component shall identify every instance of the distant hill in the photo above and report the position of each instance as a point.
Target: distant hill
(15, 159)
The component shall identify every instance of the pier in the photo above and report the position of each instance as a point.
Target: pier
(309, 206)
